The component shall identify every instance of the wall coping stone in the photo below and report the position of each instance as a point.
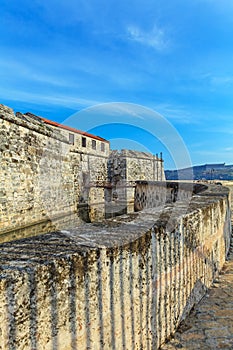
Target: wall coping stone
(110, 233)
(31, 123)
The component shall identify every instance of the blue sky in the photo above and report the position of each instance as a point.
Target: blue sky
(174, 57)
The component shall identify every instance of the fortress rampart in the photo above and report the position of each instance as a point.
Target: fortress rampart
(48, 170)
(45, 169)
(123, 284)
(124, 167)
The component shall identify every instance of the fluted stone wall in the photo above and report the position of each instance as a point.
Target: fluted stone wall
(125, 284)
(229, 184)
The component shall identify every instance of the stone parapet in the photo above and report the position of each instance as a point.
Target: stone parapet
(125, 283)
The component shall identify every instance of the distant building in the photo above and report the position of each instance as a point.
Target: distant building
(218, 171)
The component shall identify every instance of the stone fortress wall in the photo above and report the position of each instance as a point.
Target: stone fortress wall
(49, 170)
(132, 165)
(46, 171)
(124, 167)
(125, 284)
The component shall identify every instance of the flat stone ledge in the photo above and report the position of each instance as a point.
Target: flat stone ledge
(110, 233)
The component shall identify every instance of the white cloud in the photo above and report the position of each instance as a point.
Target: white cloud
(228, 149)
(154, 38)
(224, 80)
(216, 80)
(223, 129)
(47, 99)
(30, 72)
(121, 108)
(178, 114)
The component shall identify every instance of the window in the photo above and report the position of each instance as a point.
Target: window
(102, 147)
(84, 142)
(93, 144)
(71, 139)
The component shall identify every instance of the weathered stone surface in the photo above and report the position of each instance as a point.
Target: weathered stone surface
(124, 168)
(132, 165)
(123, 284)
(210, 324)
(47, 170)
(42, 175)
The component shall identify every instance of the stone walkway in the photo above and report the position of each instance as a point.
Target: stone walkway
(210, 324)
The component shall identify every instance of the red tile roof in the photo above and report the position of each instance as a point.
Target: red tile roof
(50, 122)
